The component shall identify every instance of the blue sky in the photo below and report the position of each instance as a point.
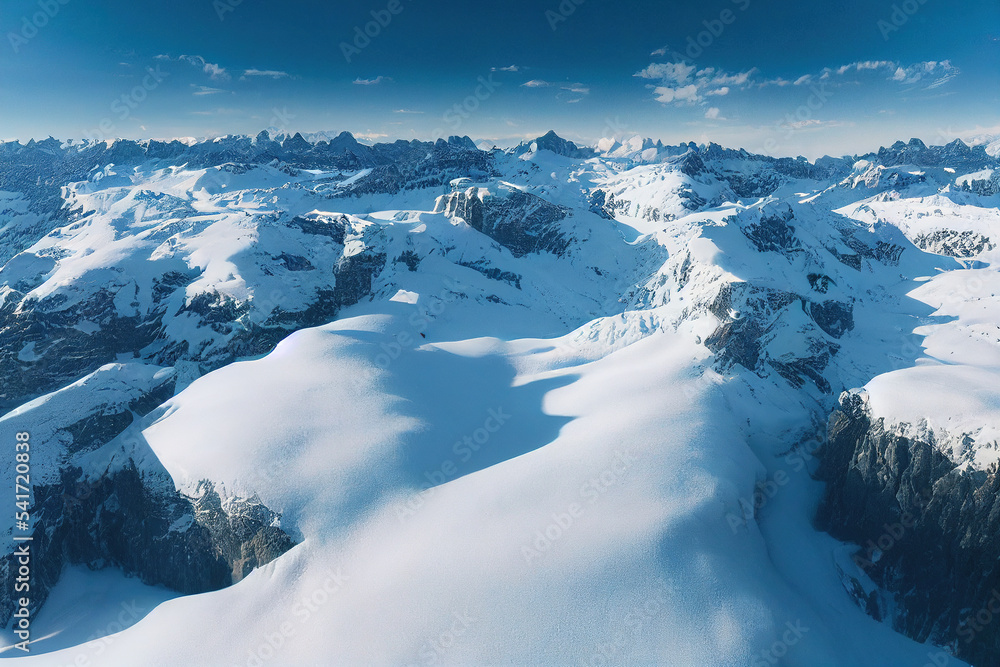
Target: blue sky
(784, 77)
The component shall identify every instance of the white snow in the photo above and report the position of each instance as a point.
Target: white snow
(552, 474)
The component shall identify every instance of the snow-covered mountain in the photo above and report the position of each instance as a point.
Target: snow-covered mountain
(419, 403)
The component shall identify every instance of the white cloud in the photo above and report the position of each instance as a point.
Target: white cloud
(269, 73)
(407, 111)
(940, 71)
(814, 123)
(741, 79)
(214, 71)
(536, 83)
(509, 68)
(372, 82)
(684, 84)
(684, 94)
(205, 90)
(676, 73)
(941, 81)
(712, 113)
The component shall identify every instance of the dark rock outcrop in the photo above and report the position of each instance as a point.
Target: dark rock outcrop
(773, 233)
(927, 530)
(556, 144)
(750, 316)
(127, 513)
(956, 155)
(954, 243)
(519, 221)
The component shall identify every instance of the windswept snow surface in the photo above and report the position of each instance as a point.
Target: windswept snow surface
(553, 473)
(591, 523)
(951, 396)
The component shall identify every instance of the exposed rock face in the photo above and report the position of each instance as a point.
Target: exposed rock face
(126, 513)
(773, 233)
(599, 204)
(876, 176)
(755, 317)
(519, 221)
(750, 317)
(494, 273)
(691, 164)
(833, 317)
(354, 276)
(48, 342)
(929, 531)
(553, 142)
(45, 343)
(984, 187)
(753, 185)
(137, 523)
(957, 155)
(954, 243)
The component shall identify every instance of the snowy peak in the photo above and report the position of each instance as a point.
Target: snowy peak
(956, 155)
(554, 143)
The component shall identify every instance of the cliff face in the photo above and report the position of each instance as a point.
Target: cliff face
(101, 499)
(929, 532)
(519, 221)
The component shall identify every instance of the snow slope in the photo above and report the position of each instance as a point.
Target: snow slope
(551, 457)
(628, 492)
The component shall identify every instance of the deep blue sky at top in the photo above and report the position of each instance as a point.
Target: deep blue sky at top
(784, 76)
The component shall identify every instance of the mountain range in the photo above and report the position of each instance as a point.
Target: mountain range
(311, 401)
